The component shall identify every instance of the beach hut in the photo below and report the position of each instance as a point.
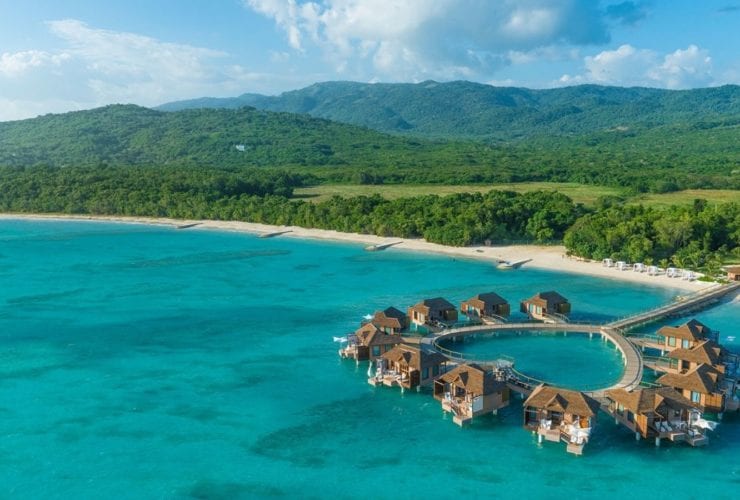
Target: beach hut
(486, 304)
(733, 273)
(468, 391)
(390, 320)
(408, 367)
(639, 267)
(607, 263)
(368, 343)
(702, 385)
(685, 336)
(432, 311)
(653, 270)
(622, 265)
(546, 306)
(657, 413)
(672, 272)
(560, 415)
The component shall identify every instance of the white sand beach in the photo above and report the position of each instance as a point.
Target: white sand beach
(544, 257)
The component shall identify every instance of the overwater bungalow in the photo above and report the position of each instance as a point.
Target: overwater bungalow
(705, 352)
(368, 343)
(703, 385)
(657, 413)
(546, 306)
(468, 391)
(391, 320)
(684, 336)
(408, 367)
(432, 311)
(486, 305)
(561, 415)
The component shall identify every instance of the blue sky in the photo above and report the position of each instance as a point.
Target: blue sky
(60, 55)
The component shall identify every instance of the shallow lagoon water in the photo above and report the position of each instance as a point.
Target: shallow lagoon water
(146, 362)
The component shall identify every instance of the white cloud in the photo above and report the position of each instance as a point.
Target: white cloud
(96, 67)
(418, 39)
(629, 66)
(19, 63)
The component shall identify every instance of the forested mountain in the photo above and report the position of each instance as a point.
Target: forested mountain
(661, 159)
(472, 110)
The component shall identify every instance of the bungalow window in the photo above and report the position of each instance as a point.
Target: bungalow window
(630, 416)
(695, 397)
(685, 344)
(672, 341)
(425, 373)
(376, 350)
(620, 409)
(435, 370)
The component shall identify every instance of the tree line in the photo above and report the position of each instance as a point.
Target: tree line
(697, 236)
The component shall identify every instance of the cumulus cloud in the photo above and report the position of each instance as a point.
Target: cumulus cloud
(629, 66)
(97, 66)
(418, 39)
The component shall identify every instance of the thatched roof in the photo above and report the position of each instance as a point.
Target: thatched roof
(691, 330)
(701, 379)
(483, 299)
(413, 357)
(390, 317)
(706, 352)
(547, 298)
(436, 304)
(657, 400)
(474, 379)
(549, 398)
(369, 335)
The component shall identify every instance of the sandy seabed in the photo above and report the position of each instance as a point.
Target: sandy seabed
(538, 256)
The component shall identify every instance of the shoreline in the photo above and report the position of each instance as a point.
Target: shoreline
(550, 258)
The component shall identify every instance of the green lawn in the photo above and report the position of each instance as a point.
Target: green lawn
(580, 193)
(688, 196)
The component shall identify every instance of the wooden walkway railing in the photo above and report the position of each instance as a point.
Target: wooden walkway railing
(614, 332)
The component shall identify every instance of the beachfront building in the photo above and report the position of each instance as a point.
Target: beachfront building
(408, 367)
(560, 415)
(391, 321)
(368, 343)
(658, 413)
(703, 385)
(432, 311)
(733, 273)
(486, 305)
(468, 390)
(546, 306)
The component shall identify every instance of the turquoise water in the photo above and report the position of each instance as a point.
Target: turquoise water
(575, 361)
(143, 362)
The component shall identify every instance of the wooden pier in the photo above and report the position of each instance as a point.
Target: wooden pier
(610, 332)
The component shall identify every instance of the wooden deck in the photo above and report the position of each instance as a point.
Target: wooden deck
(611, 332)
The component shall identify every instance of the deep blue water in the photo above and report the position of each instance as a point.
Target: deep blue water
(145, 362)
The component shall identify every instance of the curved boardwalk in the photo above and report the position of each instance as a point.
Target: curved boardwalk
(612, 332)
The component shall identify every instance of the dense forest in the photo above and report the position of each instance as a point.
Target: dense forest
(474, 110)
(700, 236)
(659, 160)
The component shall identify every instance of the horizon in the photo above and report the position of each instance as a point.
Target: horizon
(76, 54)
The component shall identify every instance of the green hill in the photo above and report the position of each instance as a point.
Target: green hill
(132, 135)
(472, 110)
(663, 158)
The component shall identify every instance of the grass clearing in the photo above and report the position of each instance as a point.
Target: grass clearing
(580, 193)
